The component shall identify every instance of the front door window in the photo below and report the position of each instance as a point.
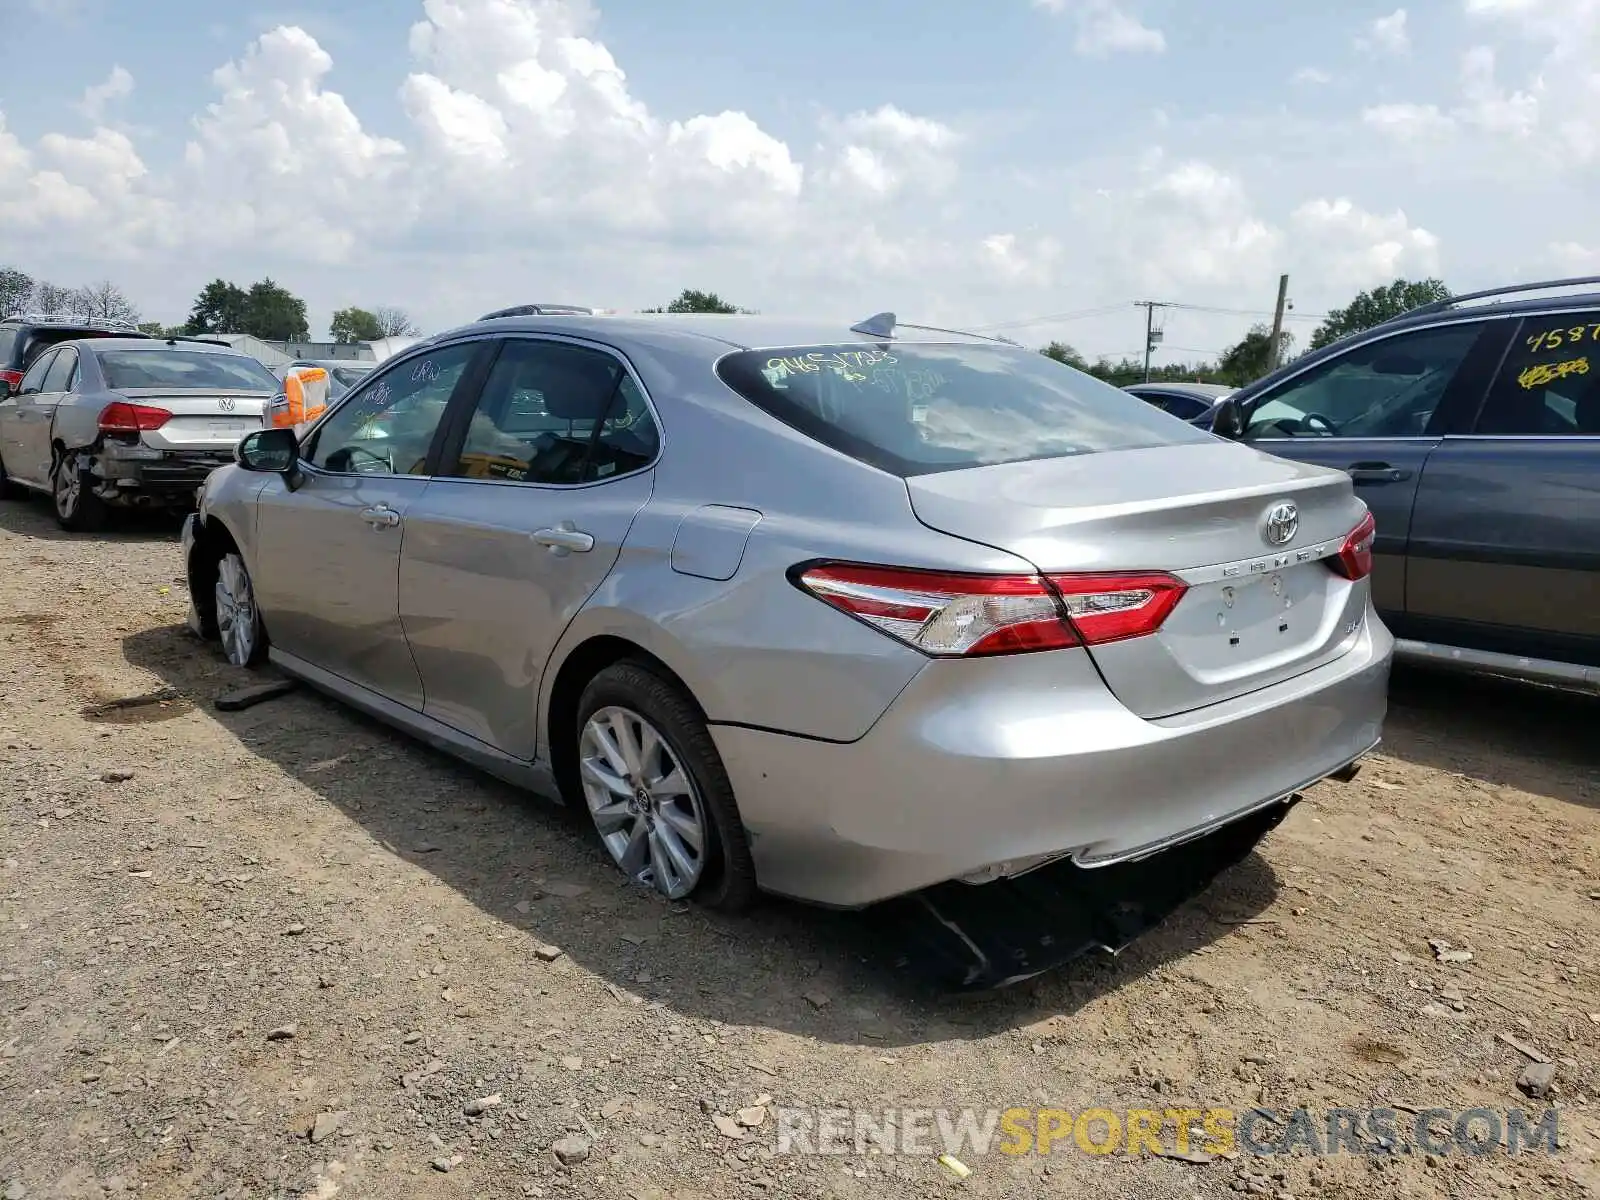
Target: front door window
(1386, 388)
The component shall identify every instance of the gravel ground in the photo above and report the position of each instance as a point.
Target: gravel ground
(283, 951)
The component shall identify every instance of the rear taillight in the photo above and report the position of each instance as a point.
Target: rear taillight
(949, 614)
(1355, 556)
(1111, 608)
(122, 417)
(14, 378)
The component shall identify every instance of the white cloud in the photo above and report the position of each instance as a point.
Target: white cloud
(1015, 260)
(116, 86)
(887, 150)
(1355, 248)
(519, 160)
(1386, 35)
(318, 179)
(1313, 76)
(1553, 116)
(1409, 122)
(1107, 27)
(1573, 258)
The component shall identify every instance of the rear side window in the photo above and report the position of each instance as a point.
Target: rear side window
(61, 371)
(184, 370)
(8, 343)
(1549, 384)
(918, 409)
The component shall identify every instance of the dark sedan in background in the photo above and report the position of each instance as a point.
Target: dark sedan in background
(1191, 401)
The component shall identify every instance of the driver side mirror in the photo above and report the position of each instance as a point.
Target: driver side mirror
(1227, 419)
(273, 451)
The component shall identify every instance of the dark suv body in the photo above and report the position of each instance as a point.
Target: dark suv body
(24, 338)
(1471, 428)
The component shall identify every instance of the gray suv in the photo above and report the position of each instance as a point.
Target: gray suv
(1471, 427)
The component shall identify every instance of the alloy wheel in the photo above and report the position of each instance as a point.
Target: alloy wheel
(68, 490)
(236, 611)
(645, 805)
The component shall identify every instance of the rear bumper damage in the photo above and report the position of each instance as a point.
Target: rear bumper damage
(141, 475)
(979, 938)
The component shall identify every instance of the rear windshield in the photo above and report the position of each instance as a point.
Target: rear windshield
(349, 376)
(184, 369)
(8, 342)
(917, 409)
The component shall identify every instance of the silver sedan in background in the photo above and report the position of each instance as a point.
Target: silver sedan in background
(107, 422)
(841, 612)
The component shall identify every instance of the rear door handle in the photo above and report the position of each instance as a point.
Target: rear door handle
(1377, 472)
(380, 516)
(565, 538)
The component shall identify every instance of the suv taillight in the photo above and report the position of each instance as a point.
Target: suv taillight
(14, 378)
(948, 614)
(1355, 556)
(122, 417)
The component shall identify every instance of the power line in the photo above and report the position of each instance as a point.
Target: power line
(1066, 316)
(1107, 309)
(1248, 312)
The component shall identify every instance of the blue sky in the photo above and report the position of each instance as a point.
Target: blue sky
(960, 162)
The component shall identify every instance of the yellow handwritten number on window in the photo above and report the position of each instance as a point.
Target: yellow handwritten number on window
(1542, 374)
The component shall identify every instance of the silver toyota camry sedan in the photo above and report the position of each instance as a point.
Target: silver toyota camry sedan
(836, 612)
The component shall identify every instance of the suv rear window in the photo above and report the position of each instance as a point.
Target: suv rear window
(184, 369)
(914, 409)
(8, 342)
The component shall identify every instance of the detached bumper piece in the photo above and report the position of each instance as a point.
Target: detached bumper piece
(978, 938)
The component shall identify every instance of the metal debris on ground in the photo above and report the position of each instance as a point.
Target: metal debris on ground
(236, 699)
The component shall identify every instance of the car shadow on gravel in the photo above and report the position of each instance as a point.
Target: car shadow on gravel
(1536, 739)
(31, 517)
(526, 862)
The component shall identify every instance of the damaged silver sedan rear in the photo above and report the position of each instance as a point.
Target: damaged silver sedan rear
(107, 422)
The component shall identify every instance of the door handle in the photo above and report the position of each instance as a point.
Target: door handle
(565, 538)
(380, 516)
(1377, 472)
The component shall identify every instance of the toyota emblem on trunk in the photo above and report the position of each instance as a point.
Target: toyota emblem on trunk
(1280, 524)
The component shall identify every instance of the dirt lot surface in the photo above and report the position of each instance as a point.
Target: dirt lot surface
(218, 928)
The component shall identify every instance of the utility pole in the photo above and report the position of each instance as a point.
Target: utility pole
(1274, 348)
(1152, 335)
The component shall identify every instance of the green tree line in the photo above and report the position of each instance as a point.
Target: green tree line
(1250, 358)
(267, 310)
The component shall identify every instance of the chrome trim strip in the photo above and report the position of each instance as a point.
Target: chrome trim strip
(1522, 437)
(1487, 662)
(1261, 564)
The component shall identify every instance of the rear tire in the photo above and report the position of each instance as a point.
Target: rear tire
(654, 783)
(78, 510)
(238, 619)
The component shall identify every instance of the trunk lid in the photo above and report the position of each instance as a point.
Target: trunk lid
(212, 420)
(1255, 613)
